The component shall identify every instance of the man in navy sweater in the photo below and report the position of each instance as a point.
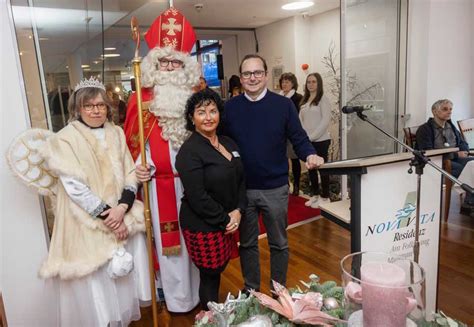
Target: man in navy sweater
(260, 122)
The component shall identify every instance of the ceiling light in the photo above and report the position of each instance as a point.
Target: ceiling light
(95, 62)
(111, 55)
(117, 89)
(110, 49)
(85, 66)
(297, 5)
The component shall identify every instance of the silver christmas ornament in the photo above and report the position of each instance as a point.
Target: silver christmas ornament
(330, 303)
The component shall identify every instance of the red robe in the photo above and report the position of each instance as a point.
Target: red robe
(168, 211)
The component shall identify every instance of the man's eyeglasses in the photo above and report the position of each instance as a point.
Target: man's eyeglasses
(89, 106)
(257, 74)
(175, 63)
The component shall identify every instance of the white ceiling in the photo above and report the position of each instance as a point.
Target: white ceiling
(63, 29)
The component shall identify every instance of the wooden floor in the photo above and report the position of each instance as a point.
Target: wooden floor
(318, 247)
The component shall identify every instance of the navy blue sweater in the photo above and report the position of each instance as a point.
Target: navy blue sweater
(261, 130)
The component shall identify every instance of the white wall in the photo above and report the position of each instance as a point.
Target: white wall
(472, 56)
(440, 57)
(325, 28)
(450, 57)
(289, 42)
(303, 49)
(234, 48)
(28, 300)
(230, 56)
(277, 45)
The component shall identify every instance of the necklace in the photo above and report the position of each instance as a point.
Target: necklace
(217, 147)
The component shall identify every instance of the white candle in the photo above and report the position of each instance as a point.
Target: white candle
(384, 294)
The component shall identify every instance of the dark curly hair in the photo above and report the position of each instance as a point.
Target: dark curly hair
(198, 99)
(289, 77)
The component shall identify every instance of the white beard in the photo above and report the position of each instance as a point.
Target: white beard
(169, 106)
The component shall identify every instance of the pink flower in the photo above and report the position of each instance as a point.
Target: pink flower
(306, 310)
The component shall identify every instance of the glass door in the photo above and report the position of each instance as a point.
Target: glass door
(373, 52)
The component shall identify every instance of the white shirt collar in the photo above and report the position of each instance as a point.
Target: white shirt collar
(289, 94)
(260, 97)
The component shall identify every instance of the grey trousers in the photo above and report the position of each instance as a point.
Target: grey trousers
(273, 204)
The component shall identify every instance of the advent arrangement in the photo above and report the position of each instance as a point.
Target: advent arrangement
(377, 289)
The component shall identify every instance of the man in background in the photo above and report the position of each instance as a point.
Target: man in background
(439, 132)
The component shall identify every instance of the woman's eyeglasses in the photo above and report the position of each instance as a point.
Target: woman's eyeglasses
(257, 74)
(175, 63)
(89, 106)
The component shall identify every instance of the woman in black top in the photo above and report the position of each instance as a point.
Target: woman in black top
(211, 171)
(289, 86)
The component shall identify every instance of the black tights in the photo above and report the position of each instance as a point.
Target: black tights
(209, 286)
(296, 168)
(322, 151)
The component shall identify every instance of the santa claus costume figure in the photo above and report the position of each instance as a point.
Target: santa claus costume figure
(168, 75)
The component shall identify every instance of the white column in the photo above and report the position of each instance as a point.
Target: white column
(28, 300)
(75, 70)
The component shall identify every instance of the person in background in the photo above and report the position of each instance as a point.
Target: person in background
(202, 83)
(439, 132)
(211, 171)
(315, 116)
(288, 86)
(235, 87)
(120, 109)
(261, 122)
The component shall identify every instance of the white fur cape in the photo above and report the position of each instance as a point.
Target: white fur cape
(80, 244)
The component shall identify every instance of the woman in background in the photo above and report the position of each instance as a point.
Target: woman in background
(288, 86)
(235, 87)
(315, 116)
(211, 171)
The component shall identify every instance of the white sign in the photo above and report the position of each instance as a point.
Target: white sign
(388, 211)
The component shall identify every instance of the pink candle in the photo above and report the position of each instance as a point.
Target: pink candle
(384, 294)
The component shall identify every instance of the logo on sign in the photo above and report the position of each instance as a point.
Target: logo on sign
(404, 217)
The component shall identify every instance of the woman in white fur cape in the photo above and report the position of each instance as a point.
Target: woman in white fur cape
(98, 252)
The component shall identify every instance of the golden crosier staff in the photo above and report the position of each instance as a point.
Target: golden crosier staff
(137, 73)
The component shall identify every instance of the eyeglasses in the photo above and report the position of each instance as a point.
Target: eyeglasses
(257, 74)
(175, 63)
(89, 106)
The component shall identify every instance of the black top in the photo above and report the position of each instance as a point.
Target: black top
(425, 137)
(213, 185)
(296, 98)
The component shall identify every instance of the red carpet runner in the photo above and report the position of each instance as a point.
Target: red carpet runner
(297, 212)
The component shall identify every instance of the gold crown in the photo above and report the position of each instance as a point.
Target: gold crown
(91, 82)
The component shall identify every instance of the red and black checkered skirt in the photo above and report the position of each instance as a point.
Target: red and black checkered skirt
(209, 250)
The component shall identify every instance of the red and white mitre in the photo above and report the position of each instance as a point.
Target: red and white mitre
(171, 29)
